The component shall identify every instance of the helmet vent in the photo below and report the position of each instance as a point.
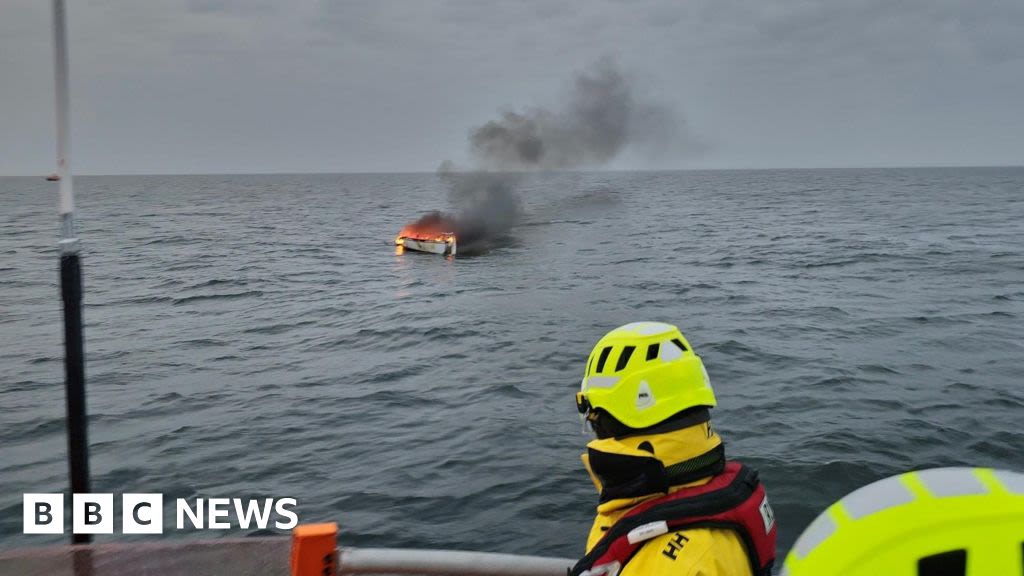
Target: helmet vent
(952, 563)
(624, 357)
(603, 358)
(670, 353)
(652, 351)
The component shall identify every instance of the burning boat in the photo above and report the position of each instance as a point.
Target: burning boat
(441, 244)
(431, 233)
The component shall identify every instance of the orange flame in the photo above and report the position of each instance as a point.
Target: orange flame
(433, 227)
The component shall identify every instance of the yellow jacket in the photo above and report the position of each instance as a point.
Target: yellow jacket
(697, 552)
(692, 552)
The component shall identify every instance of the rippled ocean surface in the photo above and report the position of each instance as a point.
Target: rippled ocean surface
(258, 336)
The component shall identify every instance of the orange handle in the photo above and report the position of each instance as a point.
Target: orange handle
(315, 550)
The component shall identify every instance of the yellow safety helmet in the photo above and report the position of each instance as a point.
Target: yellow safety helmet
(938, 522)
(643, 373)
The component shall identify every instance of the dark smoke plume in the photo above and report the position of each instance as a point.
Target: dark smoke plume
(590, 131)
(600, 118)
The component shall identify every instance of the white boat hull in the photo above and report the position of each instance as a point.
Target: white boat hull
(432, 246)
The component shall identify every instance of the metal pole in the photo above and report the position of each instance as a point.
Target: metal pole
(447, 563)
(70, 279)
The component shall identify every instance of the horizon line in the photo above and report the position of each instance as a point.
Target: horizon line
(585, 171)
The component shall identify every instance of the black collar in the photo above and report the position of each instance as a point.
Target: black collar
(628, 476)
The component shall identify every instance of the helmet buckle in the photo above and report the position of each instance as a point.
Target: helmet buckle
(582, 404)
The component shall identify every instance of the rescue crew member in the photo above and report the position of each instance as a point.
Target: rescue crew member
(938, 522)
(669, 503)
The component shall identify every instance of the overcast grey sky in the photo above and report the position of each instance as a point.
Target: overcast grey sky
(167, 86)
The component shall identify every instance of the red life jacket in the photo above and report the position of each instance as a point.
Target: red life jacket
(734, 499)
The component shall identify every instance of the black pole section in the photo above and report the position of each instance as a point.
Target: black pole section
(74, 383)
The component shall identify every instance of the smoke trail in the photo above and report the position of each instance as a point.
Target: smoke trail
(590, 131)
(599, 119)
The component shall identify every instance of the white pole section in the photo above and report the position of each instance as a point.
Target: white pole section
(447, 562)
(69, 241)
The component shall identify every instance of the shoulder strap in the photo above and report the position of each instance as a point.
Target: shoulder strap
(741, 483)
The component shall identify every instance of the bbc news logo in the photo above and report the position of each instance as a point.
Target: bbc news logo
(144, 513)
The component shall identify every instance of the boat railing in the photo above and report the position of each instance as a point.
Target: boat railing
(447, 562)
(264, 556)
